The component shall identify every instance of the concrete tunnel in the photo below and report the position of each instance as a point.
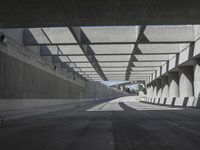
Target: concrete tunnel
(109, 75)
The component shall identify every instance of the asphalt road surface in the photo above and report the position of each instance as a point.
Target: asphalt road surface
(121, 124)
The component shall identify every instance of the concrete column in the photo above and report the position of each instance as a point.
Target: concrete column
(186, 81)
(197, 77)
(148, 90)
(154, 89)
(173, 84)
(165, 86)
(117, 86)
(159, 89)
(122, 88)
(151, 90)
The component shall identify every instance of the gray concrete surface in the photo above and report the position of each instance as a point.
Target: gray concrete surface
(173, 84)
(186, 79)
(165, 86)
(154, 89)
(159, 88)
(196, 77)
(20, 81)
(120, 124)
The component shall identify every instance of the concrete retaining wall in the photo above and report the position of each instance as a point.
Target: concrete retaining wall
(19, 80)
(97, 90)
(13, 104)
(25, 86)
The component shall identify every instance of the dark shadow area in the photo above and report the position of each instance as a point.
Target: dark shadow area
(165, 100)
(130, 134)
(185, 101)
(126, 107)
(155, 129)
(20, 114)
(198, 102)
(177, 59)
(137, 50)
(167, 66)
(191, 50)
(154, 99)
(158, 101)
(78, 129)
(173, 101)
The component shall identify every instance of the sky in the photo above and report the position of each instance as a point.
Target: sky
(109, 83)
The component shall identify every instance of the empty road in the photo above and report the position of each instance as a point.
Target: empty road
(120, 124)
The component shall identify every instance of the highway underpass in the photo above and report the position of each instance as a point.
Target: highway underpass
(122, 123)
(58, 59)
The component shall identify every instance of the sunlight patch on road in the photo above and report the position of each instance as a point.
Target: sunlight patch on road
(106, 107)
(127, 104)
(141, 106)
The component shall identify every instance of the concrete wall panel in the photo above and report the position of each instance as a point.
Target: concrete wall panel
(21, 81)
(172, 63)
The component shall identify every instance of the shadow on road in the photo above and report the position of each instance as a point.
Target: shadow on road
(126, 107)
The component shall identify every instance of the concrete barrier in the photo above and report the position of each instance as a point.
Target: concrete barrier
(174, 101)
(12, 109)
(14, 104)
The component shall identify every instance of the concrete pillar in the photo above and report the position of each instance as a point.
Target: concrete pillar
(186, 79)
(165, 86)
(154, 89)
(122, 88)
(173, 84)
(148, 90)
(197, 77)
(151, 90)
(159, 89)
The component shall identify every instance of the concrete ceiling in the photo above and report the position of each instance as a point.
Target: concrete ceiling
(51, 13)
(105, 53)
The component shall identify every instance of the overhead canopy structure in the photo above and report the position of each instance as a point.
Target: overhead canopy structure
(131, 53)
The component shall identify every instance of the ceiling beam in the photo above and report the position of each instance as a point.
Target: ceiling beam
(49, 54)
(140, 35)
(87, 50)
(29, 40)
(147, 63)
(55, 59)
